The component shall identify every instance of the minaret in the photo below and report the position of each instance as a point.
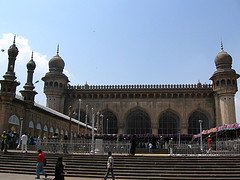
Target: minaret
(9, 84)
(224, 82)
(55, 83)
(28, 93)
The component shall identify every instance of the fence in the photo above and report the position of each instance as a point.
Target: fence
(83, 147)
(219, 147)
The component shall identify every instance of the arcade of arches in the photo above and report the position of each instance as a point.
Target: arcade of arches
(138, 121)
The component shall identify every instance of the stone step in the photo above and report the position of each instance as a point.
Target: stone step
(129, 167)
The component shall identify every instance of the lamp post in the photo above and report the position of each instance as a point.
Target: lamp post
(92, 147)
(101, 124)
(200, 129)
(107, 126)
(86, 120)
(97, 125)
(70, 123)
(179, 138)
(20, 132)
(79, 113)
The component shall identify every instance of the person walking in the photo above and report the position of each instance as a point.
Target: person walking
(40, 164)
(24, 140)
(4, 142)
(110, 163)
(59, 169)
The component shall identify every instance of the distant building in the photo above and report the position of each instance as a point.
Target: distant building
(22, 114)
(116, 109)
(141, 109)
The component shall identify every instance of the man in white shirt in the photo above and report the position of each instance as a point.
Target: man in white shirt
(24, 140)
(109, 166)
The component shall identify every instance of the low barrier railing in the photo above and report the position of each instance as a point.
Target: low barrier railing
(71, 147)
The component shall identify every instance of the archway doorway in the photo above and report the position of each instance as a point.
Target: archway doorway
(109, 123)
(169, 123)
(138, 122)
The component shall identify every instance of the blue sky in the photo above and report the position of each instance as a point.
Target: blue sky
(122, 41)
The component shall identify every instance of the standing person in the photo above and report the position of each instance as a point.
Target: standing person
(209, 141)
(59, 169)
(133, 142)
(24, 140)
(65, 144)
(4, 142)
(109, 166)
(40, 164)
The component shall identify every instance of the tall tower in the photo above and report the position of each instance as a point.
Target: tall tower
(9, 84)
(224, 82)
(28, 93)
(55, 83)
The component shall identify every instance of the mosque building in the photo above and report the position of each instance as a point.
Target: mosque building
(147, 109)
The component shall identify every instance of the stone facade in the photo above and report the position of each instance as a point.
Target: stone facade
(21, 114)
(141, 109)
(116, 109)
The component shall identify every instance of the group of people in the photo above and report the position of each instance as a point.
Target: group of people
(11, 140)
(59, 168)
(42, 161)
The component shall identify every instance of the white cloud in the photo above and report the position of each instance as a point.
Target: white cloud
(24, 55)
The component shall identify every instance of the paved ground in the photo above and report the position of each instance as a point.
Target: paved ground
(4, 176)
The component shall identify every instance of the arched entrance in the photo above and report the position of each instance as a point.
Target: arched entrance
(14, 124)
(169, 123)
(138, 122)
(109, 123)
(194, 125)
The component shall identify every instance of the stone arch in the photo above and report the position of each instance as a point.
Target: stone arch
(110, 122)
(66, 133)
(57, 131)
(38, 130)
(138, 122)
(14, 120)
(45, 128)
(55, 84)
(39, 127)
(31, 125)
(62, 132)
(229, 82)
(169, 122)
(51, 130)
(223, 82)
(31, 128)
(194, 124)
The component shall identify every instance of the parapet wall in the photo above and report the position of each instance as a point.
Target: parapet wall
(134, 87)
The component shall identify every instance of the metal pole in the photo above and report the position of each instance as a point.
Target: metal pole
(107, 126)
(201, 142)
(179, 138)
(86, 120)
(92, 149)
(20, 132)
(79, 113)
(70, 126)
(101, 123)
(98, 114)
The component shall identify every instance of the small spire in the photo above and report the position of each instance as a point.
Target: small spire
(14, 39)
(57, 49)
(221, 45)
(32, 56)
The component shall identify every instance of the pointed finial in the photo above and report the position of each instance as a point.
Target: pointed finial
(58, 49)
(221, 45)
(14, 39)
(32, 56)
